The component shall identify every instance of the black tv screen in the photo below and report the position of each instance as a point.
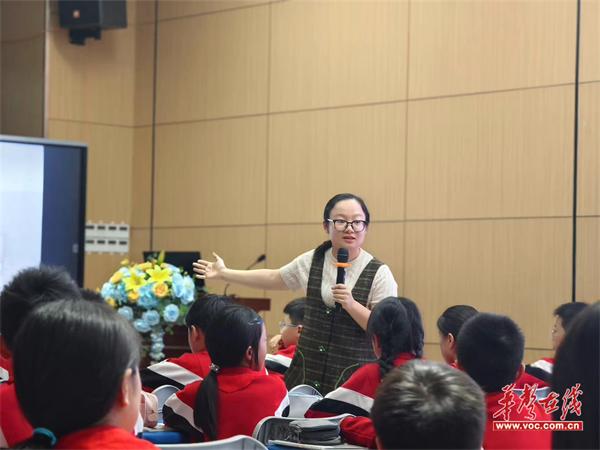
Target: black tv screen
(42, 205)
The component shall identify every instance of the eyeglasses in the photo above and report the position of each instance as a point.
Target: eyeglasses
(342, 225)
(283, 325)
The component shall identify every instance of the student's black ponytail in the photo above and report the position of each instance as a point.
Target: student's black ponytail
(417, 334)
(231, 332)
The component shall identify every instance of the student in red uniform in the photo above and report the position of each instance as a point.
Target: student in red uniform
(449, 325)
(490, 350)
(77, 378)
(29, 288)
(428, 405)
(193, 366)
(285, 343)
(237, 393)
(540, 372)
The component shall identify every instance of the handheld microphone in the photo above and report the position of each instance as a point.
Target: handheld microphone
(258, 260)
(341, 264)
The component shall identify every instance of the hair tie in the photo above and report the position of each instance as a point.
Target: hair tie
(214, 368)
(47, 433)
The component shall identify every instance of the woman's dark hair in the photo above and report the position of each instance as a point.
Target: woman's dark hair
(391, 323)
(452, 320)
(228, 337)
(346, 196)
(577, 362)
(70, 358)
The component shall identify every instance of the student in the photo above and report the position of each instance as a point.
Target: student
(193, 366)
(577, 362)
(285, 343)
(449, 325)
(490, 351)
(540, 372)
(424, 404)
(77, 378)
(30, 287)
(237, 393)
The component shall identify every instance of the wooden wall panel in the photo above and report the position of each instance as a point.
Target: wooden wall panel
(314, 155)
(459, 46)
(143, 97)
(109, 167)
(169, 9)
(337, 53)
(213, 66)
(492, 155)
(588, 259)
(22, 19)
(211, 173)
(590, 41)
(99, 268)
(141, 177)
(139, 242)
(521, 268)
(588, 196)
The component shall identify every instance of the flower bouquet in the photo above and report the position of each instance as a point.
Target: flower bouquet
(154, 296)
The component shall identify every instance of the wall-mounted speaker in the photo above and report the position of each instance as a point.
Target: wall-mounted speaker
(87, 18)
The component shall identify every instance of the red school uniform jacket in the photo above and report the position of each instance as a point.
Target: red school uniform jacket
(279, 363)
(14, 427)
(514, 439)
(105, 437)
(245, 397)
(178, 372)
(539, 372)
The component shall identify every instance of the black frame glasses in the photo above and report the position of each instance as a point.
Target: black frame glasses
(342, 225)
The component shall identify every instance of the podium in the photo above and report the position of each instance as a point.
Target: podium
(177, 343)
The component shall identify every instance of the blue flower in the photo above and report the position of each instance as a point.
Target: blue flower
(141, 325)
(126, 312)
(119, 294)
(183, 288)
(107, 290)
(151, 317)
(157, 347)
(147, 298)
(171, 313)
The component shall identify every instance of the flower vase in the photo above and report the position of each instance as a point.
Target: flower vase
(157, 344)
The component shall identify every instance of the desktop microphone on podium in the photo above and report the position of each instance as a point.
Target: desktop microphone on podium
(341, 264)
(258, 260)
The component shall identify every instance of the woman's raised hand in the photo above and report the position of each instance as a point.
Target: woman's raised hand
(206, 269)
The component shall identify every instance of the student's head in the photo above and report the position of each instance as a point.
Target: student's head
(424, 404)
(29, 288)
(291, 327)
(76, 367)
(563, 316)
(449, 325)
(235, 338)
(391, 330)
(199, 317)
(577, 361)
(490, 350)
(92, 296)
(350, 208)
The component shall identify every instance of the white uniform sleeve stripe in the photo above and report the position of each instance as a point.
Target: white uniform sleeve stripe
(543, 365)
(182, 409)
(280, 359)
(352, 397)
(174, 372)
(284, 404)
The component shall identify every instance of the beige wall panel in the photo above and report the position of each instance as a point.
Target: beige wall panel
(588, 196)
(521, 268)
(459, 46)
(22, 89)
(213, 66)
(588, 259)
(140, 12)
(169, 9)
(492, 155)
(211, 173)
(22, 19)
(238, 246)
(385, 241)
(139, 242)
(99, 268)
(95, 82)
(109, 167)
(337, 53)
(144, 75)
(589, 62)
(314, 155)
(141, 177)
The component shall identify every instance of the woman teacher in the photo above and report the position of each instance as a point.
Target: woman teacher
(333, 342)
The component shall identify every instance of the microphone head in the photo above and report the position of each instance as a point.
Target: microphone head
(342, 255)
(261, 258)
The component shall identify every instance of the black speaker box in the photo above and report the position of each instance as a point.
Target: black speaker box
(86, 18)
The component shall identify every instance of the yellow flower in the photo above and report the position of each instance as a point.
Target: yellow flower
(111, 301)
(125, 262)
(161, 290)
(116, 278)
(159, 275)
(144, 266)
(133, 296)
(134, 281)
